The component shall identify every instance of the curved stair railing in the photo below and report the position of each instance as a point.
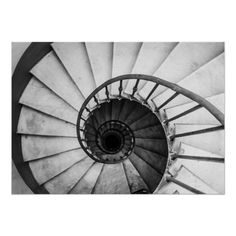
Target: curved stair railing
(93, 101)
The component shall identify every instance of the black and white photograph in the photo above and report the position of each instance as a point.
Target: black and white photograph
(119, 118)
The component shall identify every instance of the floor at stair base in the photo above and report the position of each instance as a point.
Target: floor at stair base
(184, 60)
(75, 59)
(211, 141)
(112, 180)
(64, 182)
(41, 98)
(87, 183)
(35, 147)
(37, 123)
(51, 72)
(200, 116)
(46, 168)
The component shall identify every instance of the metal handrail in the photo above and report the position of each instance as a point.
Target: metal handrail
(174, 87)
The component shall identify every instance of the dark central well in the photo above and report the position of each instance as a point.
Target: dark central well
(112, 141)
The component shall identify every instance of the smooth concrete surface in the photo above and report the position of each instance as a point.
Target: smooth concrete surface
(51, 72)
(150, 58)
(41, 98)
(37, 123)
(184, 60)
(75, 59)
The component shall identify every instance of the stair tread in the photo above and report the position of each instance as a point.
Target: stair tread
(64, 182)
(37, 123)
(135, 181)
(189, 178)
(39, 97)
(51, 72)
(211, 172)
(206, 81)
(211, 142)
(75, 59)
(200, 116)
(149, 59)
(88, 181)
(124, 57)
(184, 60)
(149, 119)
(112, 180)
(156, 161)
(150, 176)
(35, 147)
(46, 168)
(155, 145)
(151, 132)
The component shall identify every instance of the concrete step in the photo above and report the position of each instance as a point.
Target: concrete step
(211, 142)
(207, 81)
(155, 145)
(41, 98)
(100, 57)
(75, 59)
(189, 178)
(124, 57)
(37, 123)
(35, 147)
(112, 180)
(52, 73)
(137, 113)
(149, 59)
(146, 121)
(150, 176)
(88, 181)
(65, 181)
(135, 181)
(210, 172)
(200, 116)
(116, 108)
(184, 60)
(151, 132)
(46, 168)
(127, 108)
(155, 160)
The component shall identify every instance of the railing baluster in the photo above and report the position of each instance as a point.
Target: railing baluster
(198, 158)
(96, 100)
(120, 89)
(183, 113)
(183, 185)
(107, 94)
(172, 137)
(149, 95)
(167, 101)
(135, 88)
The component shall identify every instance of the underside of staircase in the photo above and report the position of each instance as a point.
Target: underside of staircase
(120, 118)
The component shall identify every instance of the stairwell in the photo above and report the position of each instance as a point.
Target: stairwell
(120, 118)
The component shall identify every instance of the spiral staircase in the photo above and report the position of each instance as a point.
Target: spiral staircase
(120, 118)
